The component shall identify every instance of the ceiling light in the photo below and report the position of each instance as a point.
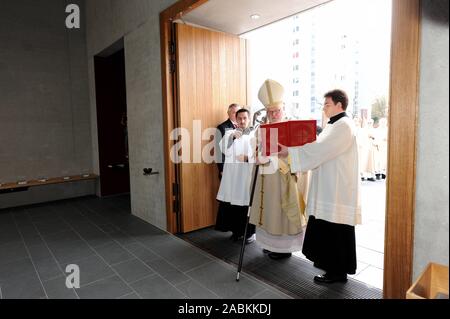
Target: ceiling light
(255, 16)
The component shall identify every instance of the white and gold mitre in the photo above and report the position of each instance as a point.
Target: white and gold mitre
(271, 94)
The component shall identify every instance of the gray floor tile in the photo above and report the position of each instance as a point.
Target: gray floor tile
(16, 211)
(122, 238)
(70, 213)
(108, 228)
(221, 279)
(133, 270)
(40, 211)
(122, 222)
(154, 241)
(92, 268)
(139, 229)
(62, 237)
(64, 209)
(71, 252)
(113, 253)
(130, 296)
(47, 268)
(141, 252)
(194, 290)
(6, 221)
(32, 238)
(23, 220)
(94, 236)
(12, 251)
(81, 224)
(95, 240)
(84, 227)
(10, 234)
(51, 227)
(16, 269)
(39, 252)
(167, 271)
(6, 218)
(97, 219)
(108, 288)
(24, 287)
(75, 219)
(181, 254)
(57, 289)
(155, 287)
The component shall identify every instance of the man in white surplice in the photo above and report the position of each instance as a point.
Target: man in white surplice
(333, 203)
(234, 190)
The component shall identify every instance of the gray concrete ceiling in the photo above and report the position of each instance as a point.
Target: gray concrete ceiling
(233, 16)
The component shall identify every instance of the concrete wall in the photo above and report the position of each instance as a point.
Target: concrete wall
(137, 21)
(44, 101)
(431, 221)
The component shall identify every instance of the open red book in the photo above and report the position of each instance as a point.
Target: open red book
(288, 133)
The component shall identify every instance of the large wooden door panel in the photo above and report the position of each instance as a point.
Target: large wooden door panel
(211, 73)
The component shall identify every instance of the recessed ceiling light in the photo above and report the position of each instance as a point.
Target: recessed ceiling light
(255, 16)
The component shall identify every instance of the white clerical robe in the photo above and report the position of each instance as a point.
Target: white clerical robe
(236, 178)
(335, 188)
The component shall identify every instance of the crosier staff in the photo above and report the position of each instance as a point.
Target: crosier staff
(252, 193)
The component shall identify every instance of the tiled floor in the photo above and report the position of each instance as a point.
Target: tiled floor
(370, 235)
(119, 256)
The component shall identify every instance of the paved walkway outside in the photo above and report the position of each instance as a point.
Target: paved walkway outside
(370, 235)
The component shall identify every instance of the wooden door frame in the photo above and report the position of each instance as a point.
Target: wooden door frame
(402, 143)
(403, 114)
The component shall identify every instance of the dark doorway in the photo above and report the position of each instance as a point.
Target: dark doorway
(112, 123)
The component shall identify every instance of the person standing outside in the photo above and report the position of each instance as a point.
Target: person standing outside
(333, 205)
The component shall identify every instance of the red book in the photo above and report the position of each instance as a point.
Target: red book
(288, 133)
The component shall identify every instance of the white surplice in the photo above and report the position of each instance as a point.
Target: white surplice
(335, 188)
(236, 178)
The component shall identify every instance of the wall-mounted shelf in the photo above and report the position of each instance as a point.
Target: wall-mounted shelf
(49, 181)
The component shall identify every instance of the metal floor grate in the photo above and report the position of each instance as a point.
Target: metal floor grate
(293, 276)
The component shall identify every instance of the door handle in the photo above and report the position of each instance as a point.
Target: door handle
(120, 165)
(149, 171)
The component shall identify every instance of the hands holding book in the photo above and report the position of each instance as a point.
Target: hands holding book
(283, 151)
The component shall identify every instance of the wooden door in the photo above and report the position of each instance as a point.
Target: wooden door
(211, 74)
